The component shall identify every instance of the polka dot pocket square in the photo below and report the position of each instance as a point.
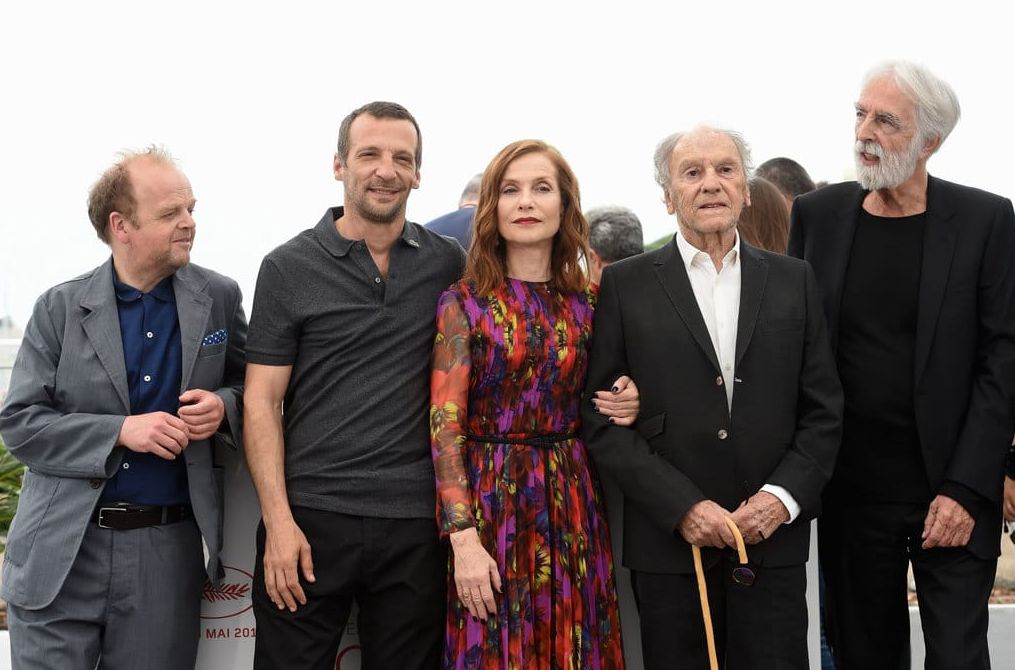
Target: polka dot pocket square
(218, 337)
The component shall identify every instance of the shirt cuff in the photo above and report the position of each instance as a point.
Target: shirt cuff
(786, 498)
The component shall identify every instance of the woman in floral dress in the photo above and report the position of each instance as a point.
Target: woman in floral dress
(532, 582)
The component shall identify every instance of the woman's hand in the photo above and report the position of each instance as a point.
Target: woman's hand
(621, 403)
(476, 574)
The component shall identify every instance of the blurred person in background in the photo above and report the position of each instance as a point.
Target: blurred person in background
(614, 234)
(458, 224)
(788, 176)
(765, 222)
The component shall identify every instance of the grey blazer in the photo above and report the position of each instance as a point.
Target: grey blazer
(68, 399)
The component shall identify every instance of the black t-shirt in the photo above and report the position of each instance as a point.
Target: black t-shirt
(880, 458)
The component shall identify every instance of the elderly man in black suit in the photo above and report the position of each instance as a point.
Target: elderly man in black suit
(740, 417)
(917, 282)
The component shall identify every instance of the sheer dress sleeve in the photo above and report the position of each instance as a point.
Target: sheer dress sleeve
(449, 399)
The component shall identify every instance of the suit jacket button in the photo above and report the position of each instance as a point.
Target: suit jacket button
(95, 483)
(722, 434)
(718, 380)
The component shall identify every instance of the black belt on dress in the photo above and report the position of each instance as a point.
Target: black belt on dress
(544, 440)
(124, 516)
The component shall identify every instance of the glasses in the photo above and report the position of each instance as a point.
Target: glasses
(743, 575)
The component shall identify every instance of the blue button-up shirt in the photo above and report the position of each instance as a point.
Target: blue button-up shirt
(150, 329)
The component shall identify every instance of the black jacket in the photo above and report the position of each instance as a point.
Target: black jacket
(687, 445)
(964, 368)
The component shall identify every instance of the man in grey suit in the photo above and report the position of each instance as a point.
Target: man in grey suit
(124, 376)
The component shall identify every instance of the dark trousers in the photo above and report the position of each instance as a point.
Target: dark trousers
(865, 550)
(759, 626)
(394, 569)
(132, 600)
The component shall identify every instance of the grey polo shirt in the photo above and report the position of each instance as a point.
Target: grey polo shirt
(355, 415)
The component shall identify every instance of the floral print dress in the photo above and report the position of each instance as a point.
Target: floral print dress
(508, 373)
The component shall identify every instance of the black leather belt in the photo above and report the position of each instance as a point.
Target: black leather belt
(121, 516)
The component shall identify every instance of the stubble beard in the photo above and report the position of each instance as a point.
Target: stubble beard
(176, 259)
(380, 215)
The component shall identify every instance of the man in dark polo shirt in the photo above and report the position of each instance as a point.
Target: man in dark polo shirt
(123, 376)
(342, 331)
(918, 286)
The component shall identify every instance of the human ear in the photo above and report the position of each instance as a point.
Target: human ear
(337, 168)
(117, 226)
(930, 146)
(670, 209)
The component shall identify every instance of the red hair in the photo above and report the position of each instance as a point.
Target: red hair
(486, 265)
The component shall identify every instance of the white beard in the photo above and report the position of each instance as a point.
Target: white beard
(893, 168)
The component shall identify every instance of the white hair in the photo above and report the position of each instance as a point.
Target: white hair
(937, 106)
(664, 151)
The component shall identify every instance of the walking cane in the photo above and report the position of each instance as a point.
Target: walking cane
(703, 590)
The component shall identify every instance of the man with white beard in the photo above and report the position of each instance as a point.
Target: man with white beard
(918, 286)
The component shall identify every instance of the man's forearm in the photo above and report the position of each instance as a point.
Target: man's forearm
(265, 452)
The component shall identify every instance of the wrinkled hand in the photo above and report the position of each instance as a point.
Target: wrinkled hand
(1009, 499)
(948, 524)
(286, 551)
(202, 411)
(476, 574)
(156, 433)
(704, 525)
(621, 403)
(760, 516)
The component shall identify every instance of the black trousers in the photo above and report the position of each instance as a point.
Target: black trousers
(865, 550)
(394, 569)
(757, 627)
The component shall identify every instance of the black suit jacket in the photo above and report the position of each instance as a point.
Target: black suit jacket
(687, 445)
(964, 365)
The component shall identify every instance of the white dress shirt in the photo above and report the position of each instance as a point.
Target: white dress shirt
(718, 298)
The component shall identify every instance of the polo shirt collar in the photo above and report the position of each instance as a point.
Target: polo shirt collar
(327, 233)
(163, 291)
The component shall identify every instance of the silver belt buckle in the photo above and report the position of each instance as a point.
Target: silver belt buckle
(103, 510)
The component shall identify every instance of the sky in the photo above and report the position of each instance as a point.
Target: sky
(249, 96)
